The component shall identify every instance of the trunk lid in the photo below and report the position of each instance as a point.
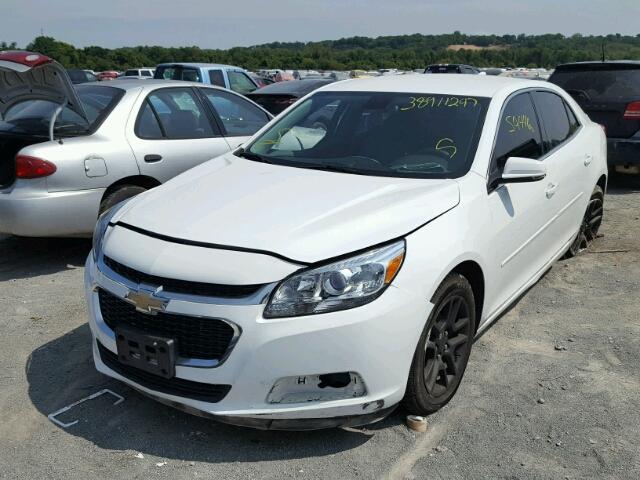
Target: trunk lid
(27, 75)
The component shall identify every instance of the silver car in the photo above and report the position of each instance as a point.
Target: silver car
(67, 154)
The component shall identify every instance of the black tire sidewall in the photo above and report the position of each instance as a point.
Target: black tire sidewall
(120, 194)
(422, 401)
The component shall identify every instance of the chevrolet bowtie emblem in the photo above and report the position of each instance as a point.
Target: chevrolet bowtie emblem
(146, 300)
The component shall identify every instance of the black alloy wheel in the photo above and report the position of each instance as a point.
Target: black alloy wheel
(590, 224)
(443, 350)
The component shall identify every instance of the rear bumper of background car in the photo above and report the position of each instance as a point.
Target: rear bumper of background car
(623, 151)
(39, 213)
(376, 341)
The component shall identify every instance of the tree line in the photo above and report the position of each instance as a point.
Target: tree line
(401, 51)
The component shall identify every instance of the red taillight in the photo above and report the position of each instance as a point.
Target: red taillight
(633, 111)
(33, 167)
(29, 59)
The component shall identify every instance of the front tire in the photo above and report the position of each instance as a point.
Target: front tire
(590, 223)
(444, 347)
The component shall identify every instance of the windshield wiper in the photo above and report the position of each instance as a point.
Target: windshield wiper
(330, 168)
(242, 153)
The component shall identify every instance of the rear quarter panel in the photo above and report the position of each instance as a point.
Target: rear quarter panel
(108, 144)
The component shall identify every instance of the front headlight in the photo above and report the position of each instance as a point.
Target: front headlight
(101, 228)
(340, 285)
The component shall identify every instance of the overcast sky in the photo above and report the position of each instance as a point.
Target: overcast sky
(217, 24)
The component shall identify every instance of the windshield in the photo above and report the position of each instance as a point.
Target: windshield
(599, 81)
(32, 117)
(374, 133)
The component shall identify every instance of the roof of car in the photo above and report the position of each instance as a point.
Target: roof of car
(199, 65)
(476, 85)
(293, 87)
(132, 83)
(596, 62)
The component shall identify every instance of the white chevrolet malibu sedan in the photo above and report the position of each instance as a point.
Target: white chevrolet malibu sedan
(342, 262)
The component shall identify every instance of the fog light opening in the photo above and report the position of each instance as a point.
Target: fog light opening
(317, 388)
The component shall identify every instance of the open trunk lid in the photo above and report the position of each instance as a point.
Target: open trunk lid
(27, 75)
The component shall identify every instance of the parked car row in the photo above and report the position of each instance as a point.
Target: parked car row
(325, 265)
(68, 154)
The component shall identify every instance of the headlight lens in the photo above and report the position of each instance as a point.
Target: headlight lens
(101, 228)
(340, 285)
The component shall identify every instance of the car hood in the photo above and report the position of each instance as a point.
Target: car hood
(301, 214)
(27, 75)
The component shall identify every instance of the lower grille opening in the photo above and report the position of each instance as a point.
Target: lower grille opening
(179, 387)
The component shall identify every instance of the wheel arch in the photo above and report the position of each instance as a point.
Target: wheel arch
(602, 182)
(143, 181)
(472, 271)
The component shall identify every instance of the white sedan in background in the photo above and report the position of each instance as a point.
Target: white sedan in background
(325, 273)
(68, 154)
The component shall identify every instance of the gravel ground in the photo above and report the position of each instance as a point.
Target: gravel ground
(552, 389)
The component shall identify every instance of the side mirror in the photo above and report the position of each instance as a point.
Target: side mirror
(521, 170)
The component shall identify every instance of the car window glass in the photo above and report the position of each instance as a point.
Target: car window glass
(599, 82)
(180, 114)
(239, 117)
(216, 78)
(550, 108)
(145, 73)
(131, 73)
(574, 124)
(240, 82)
(518, 132)
(397, 134)
(148, 126)
(178, 73)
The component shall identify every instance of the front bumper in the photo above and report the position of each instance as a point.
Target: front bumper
(376, 340)
(28, 211)
(623, 151)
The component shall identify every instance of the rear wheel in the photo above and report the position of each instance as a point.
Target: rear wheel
(121, 193)
(444, 347)
(590, 223)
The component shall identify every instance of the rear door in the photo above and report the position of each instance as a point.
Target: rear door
(238, 118)
(604, 91)
(568, 164)
(173, 132)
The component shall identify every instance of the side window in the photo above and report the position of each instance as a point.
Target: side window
(552, 112)
(147, 126)
(180, 114)
(217, 78)
(239, 117)
(574, 124)
(191, 75)
(145, 73)
(518, 133)
(240, 82)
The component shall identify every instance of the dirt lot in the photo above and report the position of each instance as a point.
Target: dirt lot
(552, 390)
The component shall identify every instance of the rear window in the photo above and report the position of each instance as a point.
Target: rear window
(178, 73)
(601, 82)
(31, 117)
(443, 69)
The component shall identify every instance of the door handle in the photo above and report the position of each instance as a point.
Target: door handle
(587, 160)
(551, 190)
(152, 158)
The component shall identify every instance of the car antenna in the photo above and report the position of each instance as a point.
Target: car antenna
(603, 56)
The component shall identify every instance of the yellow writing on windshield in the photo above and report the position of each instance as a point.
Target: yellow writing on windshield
(439, 102)
(447, 146)
(519, 122)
